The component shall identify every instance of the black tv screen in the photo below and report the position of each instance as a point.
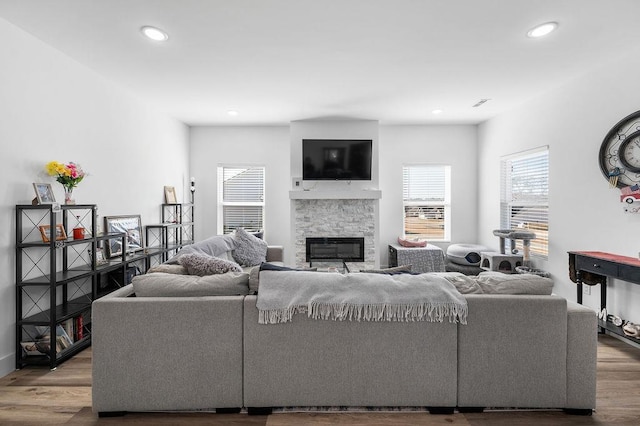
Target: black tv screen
(336, 159)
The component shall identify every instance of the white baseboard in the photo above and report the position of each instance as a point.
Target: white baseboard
(7, 364)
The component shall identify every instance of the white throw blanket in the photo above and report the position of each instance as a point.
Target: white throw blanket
(358, 296)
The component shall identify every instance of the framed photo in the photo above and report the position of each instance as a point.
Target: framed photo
(170, 195)
(45, 232)
(130, 225)
(100, 260)
(44, 193)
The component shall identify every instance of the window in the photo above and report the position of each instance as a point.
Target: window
(426, 194)
(240, 198)
(524, 201)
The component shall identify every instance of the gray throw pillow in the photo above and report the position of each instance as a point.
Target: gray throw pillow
(202, 264)
(249, 250)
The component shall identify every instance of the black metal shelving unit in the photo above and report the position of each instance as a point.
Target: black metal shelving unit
(180, 217)
(56, 281)
(175, 231)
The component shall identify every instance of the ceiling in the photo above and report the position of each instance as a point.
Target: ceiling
(276, 61)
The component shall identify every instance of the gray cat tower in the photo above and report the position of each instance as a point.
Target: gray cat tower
(507, 263)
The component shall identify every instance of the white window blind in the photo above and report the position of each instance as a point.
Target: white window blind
(240, 198)
(426, 197)
(525, 197)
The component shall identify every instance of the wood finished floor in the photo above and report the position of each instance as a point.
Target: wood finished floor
(38, 396)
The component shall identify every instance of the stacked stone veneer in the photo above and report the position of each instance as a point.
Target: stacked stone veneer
(336, 218)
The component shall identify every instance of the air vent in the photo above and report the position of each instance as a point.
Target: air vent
(480, 102)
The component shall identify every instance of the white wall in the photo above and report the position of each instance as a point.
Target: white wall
(260, 146)
(584, 213)
(52, 108)
(448, 145)
(279, 149)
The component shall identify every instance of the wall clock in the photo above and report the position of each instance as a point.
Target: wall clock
(620, 152)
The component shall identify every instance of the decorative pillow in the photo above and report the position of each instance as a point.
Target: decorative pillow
(411, 243)
(159, 284)
(392, 270)
(249, 249)
(202, 264)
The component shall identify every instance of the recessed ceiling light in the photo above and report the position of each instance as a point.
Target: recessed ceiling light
(436, 111)
(154, 33)
(542, 29)
(232, 112)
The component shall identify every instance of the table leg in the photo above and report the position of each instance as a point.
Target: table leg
(579, 294)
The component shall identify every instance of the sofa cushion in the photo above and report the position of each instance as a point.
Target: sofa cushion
(169, 269)
(202, 264)
(249, 250)
(159, 284)
(499, 283)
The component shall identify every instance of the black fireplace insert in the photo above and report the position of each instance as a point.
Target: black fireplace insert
(335, 249)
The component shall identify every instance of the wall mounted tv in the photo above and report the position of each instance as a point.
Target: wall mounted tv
(336, 159)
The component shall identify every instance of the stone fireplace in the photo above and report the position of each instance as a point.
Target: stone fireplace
(319, 214)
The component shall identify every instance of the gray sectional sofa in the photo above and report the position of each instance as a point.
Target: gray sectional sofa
(211, 353)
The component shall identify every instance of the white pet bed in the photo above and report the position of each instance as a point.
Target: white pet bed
(465, 254)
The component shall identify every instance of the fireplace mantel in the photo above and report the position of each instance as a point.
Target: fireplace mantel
(370, 194)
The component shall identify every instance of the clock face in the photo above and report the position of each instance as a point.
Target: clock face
(630, 152)
(620, 152)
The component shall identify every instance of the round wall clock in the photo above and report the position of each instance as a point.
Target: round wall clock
(620, 152)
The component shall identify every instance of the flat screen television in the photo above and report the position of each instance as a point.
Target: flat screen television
(336, 159)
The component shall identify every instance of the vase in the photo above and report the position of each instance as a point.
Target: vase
(68, 193)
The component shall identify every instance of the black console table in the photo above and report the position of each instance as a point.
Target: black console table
(593, 267)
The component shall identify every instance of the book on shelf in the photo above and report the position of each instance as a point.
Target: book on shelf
(79, 324)
(69, 328)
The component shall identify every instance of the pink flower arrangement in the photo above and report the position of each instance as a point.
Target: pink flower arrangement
(69, 175)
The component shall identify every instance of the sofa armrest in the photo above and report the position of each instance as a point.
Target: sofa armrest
(582, 352)
(275, 253)
(159, 353)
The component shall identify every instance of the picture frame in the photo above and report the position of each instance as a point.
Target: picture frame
(100, 260)
(44, 193)
(45, 232)
(131, 226)
(170, 195)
